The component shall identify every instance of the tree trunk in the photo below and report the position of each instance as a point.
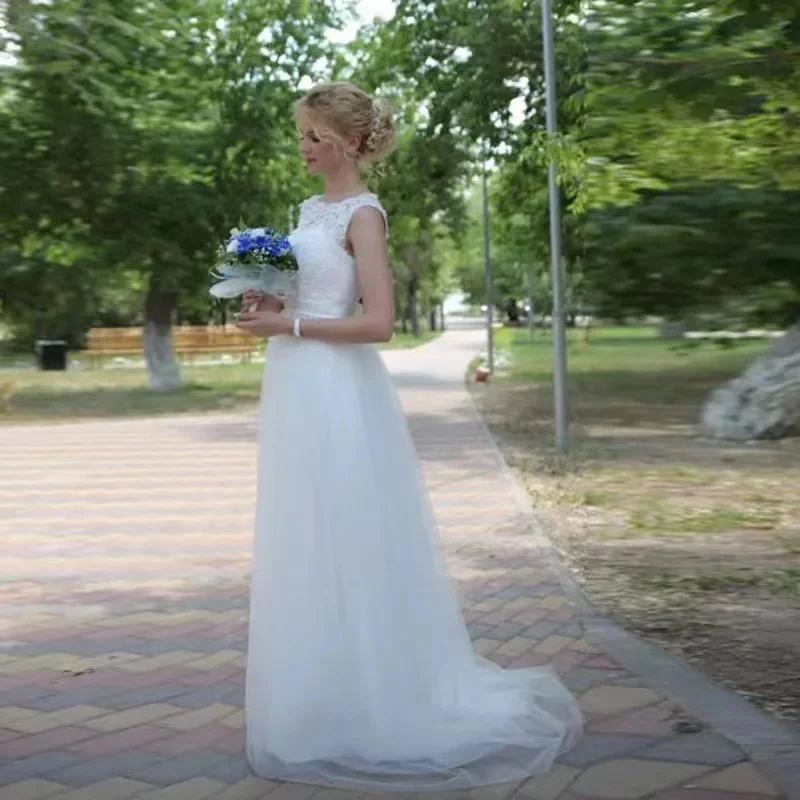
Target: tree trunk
(763, 402)
(531, 303)
(412, 306)
(411, 255)
(411, 313)
(163, 372)
(672, 330)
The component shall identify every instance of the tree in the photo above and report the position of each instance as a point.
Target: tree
(694, 186)
(139, 133)
(422, 182)
(420, 188)
(693, 182)
(475, 72)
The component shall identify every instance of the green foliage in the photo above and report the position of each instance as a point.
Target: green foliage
(693, 178)
(474, 71)
(133, 136)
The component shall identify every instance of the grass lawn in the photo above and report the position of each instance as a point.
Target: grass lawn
(692, 543)
(28, 395)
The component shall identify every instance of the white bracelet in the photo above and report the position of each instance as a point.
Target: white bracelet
(297, 333)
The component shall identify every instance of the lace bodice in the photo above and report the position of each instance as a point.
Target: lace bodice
(327, 284)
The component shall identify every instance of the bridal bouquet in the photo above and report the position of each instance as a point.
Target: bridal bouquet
(257, 259)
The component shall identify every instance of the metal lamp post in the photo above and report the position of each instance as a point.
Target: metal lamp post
(558, 324)
(487, 269)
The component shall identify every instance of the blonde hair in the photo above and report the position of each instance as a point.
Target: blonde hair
(343, 110)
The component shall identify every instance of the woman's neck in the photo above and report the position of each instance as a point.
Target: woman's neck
(346, 182)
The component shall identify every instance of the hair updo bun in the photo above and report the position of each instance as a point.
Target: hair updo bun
(343, 110)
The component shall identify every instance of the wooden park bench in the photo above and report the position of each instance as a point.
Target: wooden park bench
(188, 341)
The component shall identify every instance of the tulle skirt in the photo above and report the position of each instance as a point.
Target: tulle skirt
(360, 670)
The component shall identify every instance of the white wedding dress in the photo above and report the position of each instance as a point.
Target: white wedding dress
(360, 670)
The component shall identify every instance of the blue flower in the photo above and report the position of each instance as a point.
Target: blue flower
(282, 245)
(244, 244)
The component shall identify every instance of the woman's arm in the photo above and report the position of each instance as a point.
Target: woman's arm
(367, 236)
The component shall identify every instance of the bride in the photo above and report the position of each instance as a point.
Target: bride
(360, 671)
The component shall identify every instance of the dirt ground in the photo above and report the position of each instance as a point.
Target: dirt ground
(692, 544)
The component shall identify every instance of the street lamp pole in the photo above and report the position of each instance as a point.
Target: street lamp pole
(558, 325)
(487, 269)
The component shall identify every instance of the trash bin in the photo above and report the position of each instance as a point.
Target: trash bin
(51, 354)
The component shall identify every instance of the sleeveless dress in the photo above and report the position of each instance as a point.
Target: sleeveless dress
(360, 669)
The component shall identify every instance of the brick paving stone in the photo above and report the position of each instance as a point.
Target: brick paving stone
(89, 695)
(233, 745)
(601, 662)
(190, 740)
(50, 740)
(47, 721)
(25, 679)
(581, 679)
(609, 700)
(173, 692)
(293, 792)
(140, 676)
(714, 749)
(630, 779)
(24, 697)
(198, 698)
(117, 741)
(596, 747)
(7, 736)
(111, 789)
(504, 631)
(250, 788)
(531, 659)
(231, 771)
(706, 794)
(541, 630)
(178, 769)
(554, 644)
(656, 720)
(189, 720)
(94, 770)
(516, 647)
(333, 794)
(194, 789)
(131, 717)
(13, 714)
(235, 720)
(551, 785)
(738, 778)
(15, 770)
(32, 789)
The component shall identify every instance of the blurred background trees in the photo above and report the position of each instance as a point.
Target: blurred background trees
(132, 137)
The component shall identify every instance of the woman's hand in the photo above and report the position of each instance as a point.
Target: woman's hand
(265, 323)
(258, 301)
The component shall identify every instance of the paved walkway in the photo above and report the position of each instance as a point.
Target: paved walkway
(123, 599)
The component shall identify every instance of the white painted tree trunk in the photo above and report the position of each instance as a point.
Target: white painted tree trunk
(763, 402)
(163, 372)
(672, 331)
